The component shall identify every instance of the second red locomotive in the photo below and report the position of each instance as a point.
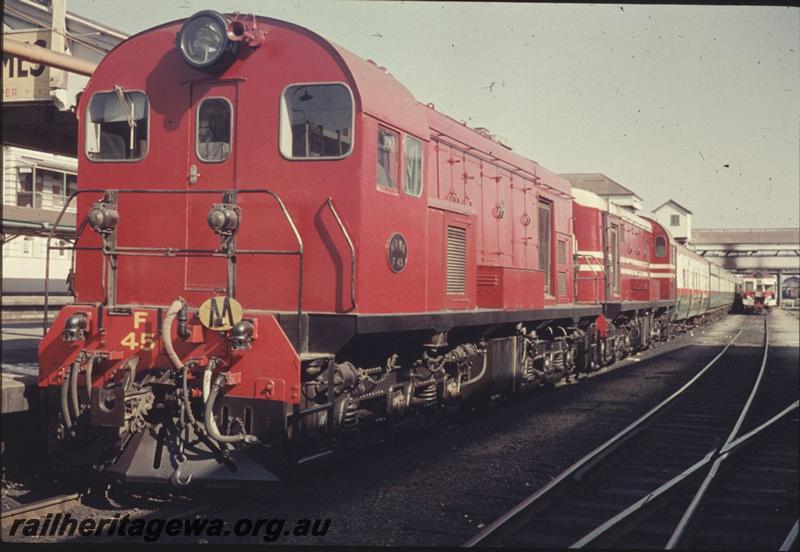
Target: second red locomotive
(280, 246)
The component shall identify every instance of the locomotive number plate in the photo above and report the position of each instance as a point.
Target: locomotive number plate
(397, 252)
(220, 313)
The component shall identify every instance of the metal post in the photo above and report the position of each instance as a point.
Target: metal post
(58, 41)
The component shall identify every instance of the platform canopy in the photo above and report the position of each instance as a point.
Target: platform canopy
(748, 249)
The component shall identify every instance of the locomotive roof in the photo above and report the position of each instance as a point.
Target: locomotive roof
(376, 91)
(590, 199)
(599, 184)
(379, 94)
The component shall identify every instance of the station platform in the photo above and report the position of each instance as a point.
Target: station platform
(19, 393)
(20, 365)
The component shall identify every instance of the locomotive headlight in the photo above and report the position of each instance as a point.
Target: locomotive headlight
(75, 327)
(241, 335)
(204, 43)
(102, 218)
(223, 218)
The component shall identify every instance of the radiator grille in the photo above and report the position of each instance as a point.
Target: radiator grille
(456, 260)
(562, 284)
(562, 252)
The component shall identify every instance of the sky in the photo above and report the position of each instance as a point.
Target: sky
(700, 104)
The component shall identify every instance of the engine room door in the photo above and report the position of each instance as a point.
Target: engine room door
(211, 166)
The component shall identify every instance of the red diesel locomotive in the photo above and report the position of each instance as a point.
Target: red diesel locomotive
(280, 247)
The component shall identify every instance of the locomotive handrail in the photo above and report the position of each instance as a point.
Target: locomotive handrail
(352, 252)
(588, 260)
(143, 251)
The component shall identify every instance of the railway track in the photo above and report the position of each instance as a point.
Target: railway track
(658, 483)
(39, 508)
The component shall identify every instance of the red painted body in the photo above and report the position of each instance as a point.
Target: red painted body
(476, 260)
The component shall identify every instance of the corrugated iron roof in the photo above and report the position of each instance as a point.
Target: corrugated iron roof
(598, 183)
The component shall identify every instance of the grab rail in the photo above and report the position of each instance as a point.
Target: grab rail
(352, 252)
(591, 266)
(112, 251)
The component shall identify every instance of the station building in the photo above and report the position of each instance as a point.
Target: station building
(40, 140)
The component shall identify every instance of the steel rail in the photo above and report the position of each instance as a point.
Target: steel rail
(691, 510)
(44, 504)
(672, 484)
(791, 538)
(513, 514)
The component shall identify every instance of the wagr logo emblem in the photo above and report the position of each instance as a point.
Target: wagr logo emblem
(220, 313)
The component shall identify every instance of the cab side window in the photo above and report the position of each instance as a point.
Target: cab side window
(117, 126)
(388, 159)
(412, 183)
(316, 121)
(661, 246)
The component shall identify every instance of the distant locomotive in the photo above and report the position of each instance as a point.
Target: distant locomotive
(759, 291)
(280, 247)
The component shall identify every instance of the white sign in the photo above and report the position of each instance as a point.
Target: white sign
(25, 81)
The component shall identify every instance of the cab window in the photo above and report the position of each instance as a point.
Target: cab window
(117, 126)
(661, 246)
(388, 167)
(316, 121)
(412, 148)
(214, 121)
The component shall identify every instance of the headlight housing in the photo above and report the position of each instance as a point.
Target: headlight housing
(204, 43)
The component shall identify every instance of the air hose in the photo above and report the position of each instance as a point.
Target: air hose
(210, 422)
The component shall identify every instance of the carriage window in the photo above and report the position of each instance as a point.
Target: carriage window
(316, 121)
(388, 166)
(661, 246)
(116, 126)
(214, 119)
(413, 162)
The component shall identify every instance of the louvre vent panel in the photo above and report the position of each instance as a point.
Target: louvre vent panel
(562, 284)
(562, 252)
(456, 260)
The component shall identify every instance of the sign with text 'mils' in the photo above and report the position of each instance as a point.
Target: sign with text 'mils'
(25, 81)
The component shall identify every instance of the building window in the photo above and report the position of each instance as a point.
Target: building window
(214, 121)
(72, 184)
(26, 196)
(661, 246)
(545, 240)
(413, 161)
(674, 220)
(42, 188)
(388, 159)
(117, 126)
(316, 121)
(51, 185)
